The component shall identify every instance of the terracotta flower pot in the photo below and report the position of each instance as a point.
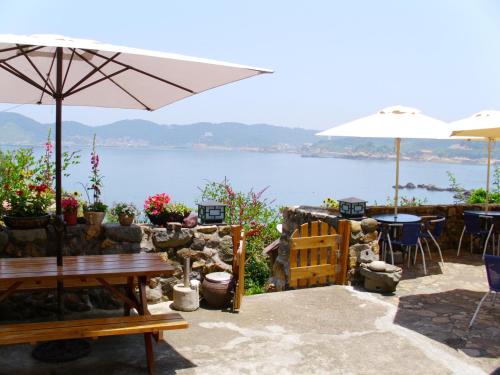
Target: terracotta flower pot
(94, 218)
(30, 222)
(71, 217)
(125, 220)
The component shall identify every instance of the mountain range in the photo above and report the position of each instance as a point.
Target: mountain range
(19, 130)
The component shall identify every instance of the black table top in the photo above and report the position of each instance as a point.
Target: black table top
(483, 213)
(399, 219)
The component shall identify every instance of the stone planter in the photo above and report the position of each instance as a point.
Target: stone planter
(125, 220)
(71, 217)
(94, 218)
(30, 222)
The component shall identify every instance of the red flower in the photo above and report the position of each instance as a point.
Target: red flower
(19, 192)
(6, 186)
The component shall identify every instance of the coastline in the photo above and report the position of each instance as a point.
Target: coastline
(278, 149)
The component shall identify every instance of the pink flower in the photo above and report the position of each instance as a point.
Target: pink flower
(6, 206)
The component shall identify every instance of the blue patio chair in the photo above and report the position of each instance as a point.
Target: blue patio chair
(432, 229)
(492, 264)
(410, 237)
(472, 226)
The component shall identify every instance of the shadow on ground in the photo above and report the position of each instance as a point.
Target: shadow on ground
(445, 317)
(123, 355)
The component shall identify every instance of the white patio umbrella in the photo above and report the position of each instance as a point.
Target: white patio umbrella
(393, 122)
(484, 125)
(53, 69)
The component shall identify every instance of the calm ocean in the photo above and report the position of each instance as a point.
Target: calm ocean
(133, 174)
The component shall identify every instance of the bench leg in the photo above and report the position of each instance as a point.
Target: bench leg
(130, 294)
(150, 356)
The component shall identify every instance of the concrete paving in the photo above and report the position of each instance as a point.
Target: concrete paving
(326, 330)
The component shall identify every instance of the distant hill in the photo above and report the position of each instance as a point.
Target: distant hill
(16, 129)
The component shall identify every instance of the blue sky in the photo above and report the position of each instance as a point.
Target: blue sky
(334, 60)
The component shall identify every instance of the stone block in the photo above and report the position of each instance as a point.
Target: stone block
(206, 229)
(23, 236)
(355, 226)
(225, 230)
(172, 239)
(382, 282)
(174, 226)
(368, 225)
(198, 244)
(119, 233)
(226, 249)
(189, 253)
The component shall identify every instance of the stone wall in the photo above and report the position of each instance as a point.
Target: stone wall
(209, 247)
(360, 240)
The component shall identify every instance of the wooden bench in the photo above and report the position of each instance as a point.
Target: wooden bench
(31, 333)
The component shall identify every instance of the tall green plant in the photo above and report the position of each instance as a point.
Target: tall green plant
(258, 217)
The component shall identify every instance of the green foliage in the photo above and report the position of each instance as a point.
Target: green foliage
(459, 196)
(258, 218)
(479, 196)
(330, 203)
(177, 208)
(28, 182)
(95, 207)
(407, 201)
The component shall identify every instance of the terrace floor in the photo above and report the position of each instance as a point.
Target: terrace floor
(327, 330)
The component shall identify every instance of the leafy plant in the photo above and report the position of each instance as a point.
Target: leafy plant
(69, 203)
(459, 195)
(95, 182)
(258, 218)
(412, 201)
(177, 208)
(95, 207)
(156, 204)
(330, 203)
(28, 182)
(123, 208)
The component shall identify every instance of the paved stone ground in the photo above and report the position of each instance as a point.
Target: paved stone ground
(329, 330)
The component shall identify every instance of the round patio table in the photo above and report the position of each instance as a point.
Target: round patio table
(398, 219)
(483, 213)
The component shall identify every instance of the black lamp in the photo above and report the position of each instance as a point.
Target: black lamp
(352, 207)
(210, 212)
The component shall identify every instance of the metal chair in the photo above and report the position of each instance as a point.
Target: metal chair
(492, 264)
(432, 229)
(410, 237)
(384, 239)
(472, 226)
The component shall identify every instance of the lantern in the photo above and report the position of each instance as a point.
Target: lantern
(210, 212)
(352, 207)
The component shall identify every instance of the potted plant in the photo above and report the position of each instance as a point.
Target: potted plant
(160, 211)
(94, 210)
(70, 209)
(125, 212)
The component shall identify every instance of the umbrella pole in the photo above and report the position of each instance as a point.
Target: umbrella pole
(60, 350)
(396, 193)
(59, 224)
(488, 176)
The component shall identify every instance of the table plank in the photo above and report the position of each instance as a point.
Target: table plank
(91, 266)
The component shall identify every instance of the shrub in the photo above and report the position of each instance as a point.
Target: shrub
(258, 217)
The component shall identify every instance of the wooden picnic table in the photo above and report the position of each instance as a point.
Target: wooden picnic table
(108, 271)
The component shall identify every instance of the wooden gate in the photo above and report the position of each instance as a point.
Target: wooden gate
(319, 254)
